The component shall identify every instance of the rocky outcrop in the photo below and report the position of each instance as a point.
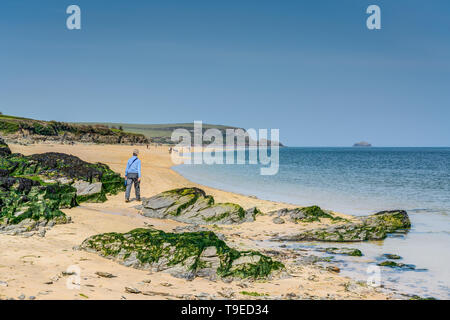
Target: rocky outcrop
(192, 205)
(28, 207)
(34, 188)
(373, 227)
(305, 214)
(25, 130)
(91, 181)
(185, 255)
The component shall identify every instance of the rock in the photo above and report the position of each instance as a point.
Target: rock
(184, 255)
(373, 227)
(64, 180)
(209, 252)
(305, 214)
(333, 269)
(21, 297)
(166, 284)
(344, 251)
(155, 293)
(29, 206)
(278, 220)
(391, 256)
(89, 191)
(393, 264)
(192, 205)
(227, 293)
(313, 278)
(251, 259)
(3, 283)
(291, 296)
(105, 274)
(31, 297)
(132, 290)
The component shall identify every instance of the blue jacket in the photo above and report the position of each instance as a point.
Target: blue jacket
(135, 167)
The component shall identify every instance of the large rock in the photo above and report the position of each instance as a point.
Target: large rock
(34, 188)
(192, 205)
(373, 227)
(26, 206)
(186, 255)
(305, 214)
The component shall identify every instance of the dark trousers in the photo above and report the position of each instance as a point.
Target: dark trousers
(132, 178)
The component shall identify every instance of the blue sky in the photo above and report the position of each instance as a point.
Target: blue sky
(310, 68)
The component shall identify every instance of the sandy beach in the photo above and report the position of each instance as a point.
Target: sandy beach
(34, 267)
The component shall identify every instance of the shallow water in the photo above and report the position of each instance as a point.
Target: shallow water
(361, 181)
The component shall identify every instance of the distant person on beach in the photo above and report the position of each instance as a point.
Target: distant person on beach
(133, 176)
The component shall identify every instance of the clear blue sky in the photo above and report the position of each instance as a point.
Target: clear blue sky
(310, 68)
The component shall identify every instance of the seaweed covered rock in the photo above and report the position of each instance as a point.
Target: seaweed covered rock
(192, 205)
(373, 227)
(305, 214)
(96, 180)
(399, 265)
(344, 251)
(28, 207)
(34, 188)
(186, 255)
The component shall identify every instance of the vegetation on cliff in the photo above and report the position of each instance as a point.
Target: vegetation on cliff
(35, 130)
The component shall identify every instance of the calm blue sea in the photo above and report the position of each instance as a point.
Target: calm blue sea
(362, 181)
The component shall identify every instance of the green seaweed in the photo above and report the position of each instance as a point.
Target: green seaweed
(29, 187)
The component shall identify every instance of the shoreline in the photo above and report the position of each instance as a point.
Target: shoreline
(30, 264)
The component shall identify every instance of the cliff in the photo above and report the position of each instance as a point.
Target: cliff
(29, 131)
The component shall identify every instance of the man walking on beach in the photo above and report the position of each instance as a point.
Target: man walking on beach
(133, 176)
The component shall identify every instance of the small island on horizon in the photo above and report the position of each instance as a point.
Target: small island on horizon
(362, 144)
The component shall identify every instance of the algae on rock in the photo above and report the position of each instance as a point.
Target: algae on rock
(192, 205)
(372, 227)
(185, 255)
(34, 188)
(305, 214)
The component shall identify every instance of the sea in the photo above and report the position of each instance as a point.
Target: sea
(360, 181)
